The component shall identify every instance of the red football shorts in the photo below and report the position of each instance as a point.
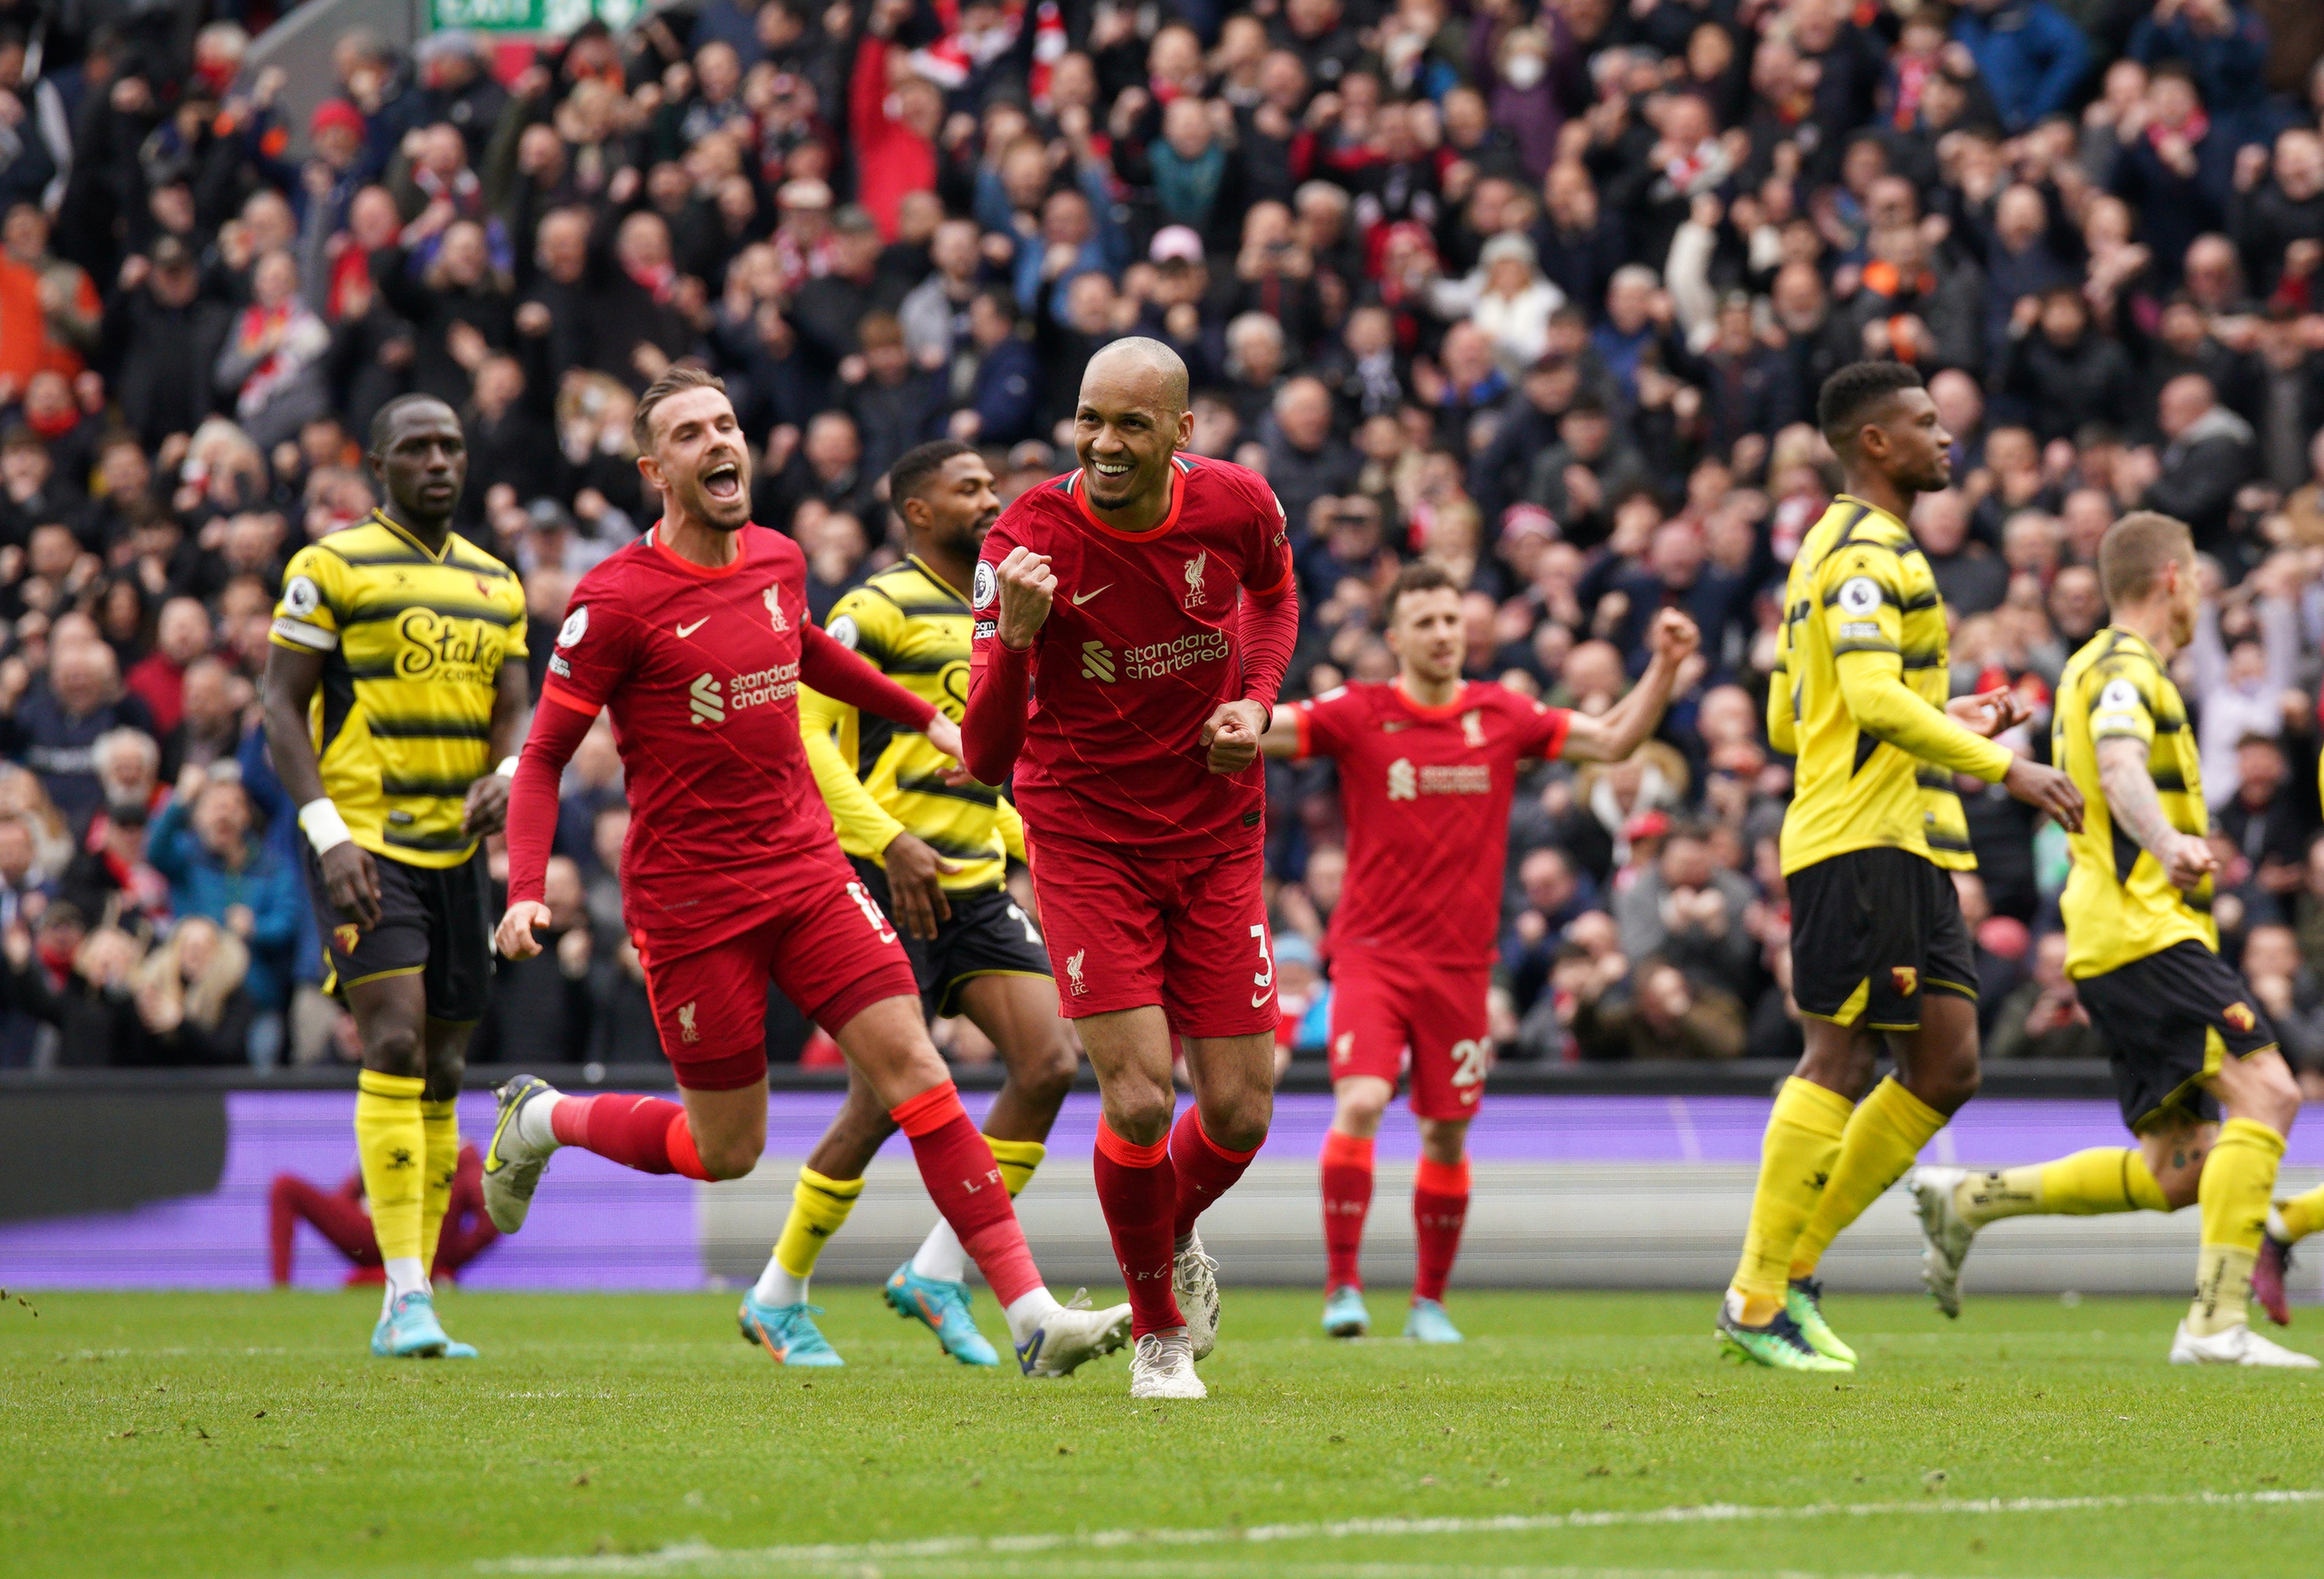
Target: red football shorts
(1189, 933)
(1381, 1009)
(827, 944)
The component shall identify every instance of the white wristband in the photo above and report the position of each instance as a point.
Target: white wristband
(507, 769)
(327, 830)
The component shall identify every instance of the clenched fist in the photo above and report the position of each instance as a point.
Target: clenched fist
(1028, 587)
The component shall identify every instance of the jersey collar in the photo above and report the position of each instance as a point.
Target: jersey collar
(949, 590)
(381, 518)
(1178, 473)
(671, 557)
(1459, 704)
(1868, 504)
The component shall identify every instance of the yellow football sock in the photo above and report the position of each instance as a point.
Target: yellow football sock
(392, 1144)
(1796, 1158)
(2303, 1214)
(441, 1122)
(1884, 1133)
(2238, 1178)
(819, 1207)
(1017, 1160)
(2088, 1184)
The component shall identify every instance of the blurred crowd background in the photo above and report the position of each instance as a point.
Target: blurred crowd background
(1541, 290)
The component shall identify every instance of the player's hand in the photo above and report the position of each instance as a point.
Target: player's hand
(1028, 587)
(1988, 712)
(1230, 735)
(915, 884)
(351, 882)
(487, 808)
(2046, 789)
(945, 735)
(513, 937)
(2187, 860)
(1672, 637)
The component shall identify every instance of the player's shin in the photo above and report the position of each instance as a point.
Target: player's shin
(1440, 1207)
(1205, 1169)
(1347, 1174)
(1137, 1189)
(1884, 1134)
(441, 1122)
(2090, 1183)
(391, 1143)
(1796, 1158)
(649, 1133)
(2239, 1178)
(940, 1257)
(819, 1209)
(958, 1165)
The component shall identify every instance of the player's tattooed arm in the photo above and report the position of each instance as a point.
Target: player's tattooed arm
(349, 878)
(1623, 727)
(487, 807)
(1282, 737)
(2130, 795)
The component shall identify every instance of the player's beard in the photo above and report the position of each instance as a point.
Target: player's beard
(720, 514)
(1135, 486)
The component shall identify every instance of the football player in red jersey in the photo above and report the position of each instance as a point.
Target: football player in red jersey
(1133, 619)
(696, 639)
(1427, 765)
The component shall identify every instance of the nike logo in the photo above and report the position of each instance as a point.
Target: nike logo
(689, 630)
(1259, 1000)
(1082, 597)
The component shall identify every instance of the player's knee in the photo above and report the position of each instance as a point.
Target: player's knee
(394, 1050)
(1238, 1120)
(729, 1158)
(1140, 1113)
(2274, 1097)
(445, 1072)
(1360, 1112)
(2181, 1186)
(1047, 1078)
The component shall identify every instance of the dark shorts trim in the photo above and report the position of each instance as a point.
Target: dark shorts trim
(988, 934)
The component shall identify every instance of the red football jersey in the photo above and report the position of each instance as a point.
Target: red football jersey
(1426, 791)
(699, 669)
(1139, 649)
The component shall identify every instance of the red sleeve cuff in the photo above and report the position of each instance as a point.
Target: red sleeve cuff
(1270, 593)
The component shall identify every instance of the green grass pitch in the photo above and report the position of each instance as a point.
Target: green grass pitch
(1580, 1436)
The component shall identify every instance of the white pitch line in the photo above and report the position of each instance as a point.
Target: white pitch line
(1070, 1568)
(699, 1555)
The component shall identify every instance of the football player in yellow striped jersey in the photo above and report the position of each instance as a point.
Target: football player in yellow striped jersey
(1878, 946)
(933, 851)
(2186, 1035)
(394, 683)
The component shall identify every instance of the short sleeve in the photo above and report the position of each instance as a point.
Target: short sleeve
(1863, 601)
(592, 653)
(867, 625)
(1270, 552)
(1541, 730)
(2120, 709)
(308, 617)
(1327, 724)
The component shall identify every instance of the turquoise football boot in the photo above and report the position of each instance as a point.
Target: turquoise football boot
(409, 1330)
(1426, 1323)
(1345, 1316)
(943, 1308)
(786, 1332)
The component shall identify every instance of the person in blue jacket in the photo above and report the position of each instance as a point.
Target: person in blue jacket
(218, 866)
(2031, 57)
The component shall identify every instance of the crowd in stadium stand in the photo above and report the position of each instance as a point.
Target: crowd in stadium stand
(1541, 290)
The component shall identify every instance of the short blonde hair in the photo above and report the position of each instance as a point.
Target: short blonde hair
(678, 377)
(2132, 554)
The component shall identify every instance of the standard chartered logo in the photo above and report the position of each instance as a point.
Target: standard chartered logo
(709, 700)
(1402, 784)
(1097, 663)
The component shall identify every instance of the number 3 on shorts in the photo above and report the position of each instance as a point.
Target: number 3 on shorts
(1264, 978)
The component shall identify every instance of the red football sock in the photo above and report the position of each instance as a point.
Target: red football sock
(1206, 1169)
(956, 1165)
(1347, 1196)
(1440, 1206)
(649, 1133)
(1136, 1188)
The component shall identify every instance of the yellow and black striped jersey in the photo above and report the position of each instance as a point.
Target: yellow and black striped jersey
(2118, 905)
(1857, 698)
(879, 779)
(413, 643)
